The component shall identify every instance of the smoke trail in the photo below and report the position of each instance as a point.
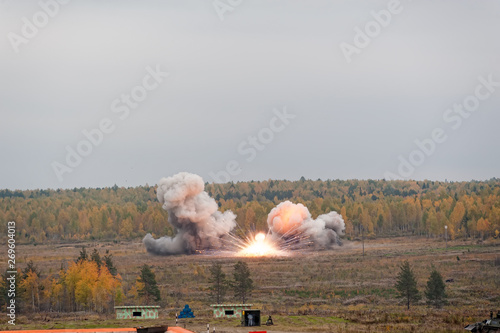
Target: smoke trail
(194, 215)
(288, 220)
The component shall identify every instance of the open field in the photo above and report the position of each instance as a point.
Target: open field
(330, 291)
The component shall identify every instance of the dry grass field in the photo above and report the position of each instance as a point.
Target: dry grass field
(331, 291)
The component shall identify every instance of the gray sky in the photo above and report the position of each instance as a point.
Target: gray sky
(352, 119)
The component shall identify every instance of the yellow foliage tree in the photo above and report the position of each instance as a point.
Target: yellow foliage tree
(455, 219)
(88, 277)
(348, 223)
(134, 291)
(30, 283)
(126, 228)
(483, 226)
(91, 287)
(53, 291)
(104, 289)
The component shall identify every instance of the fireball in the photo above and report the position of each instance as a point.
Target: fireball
(260, 246)
(287, 218)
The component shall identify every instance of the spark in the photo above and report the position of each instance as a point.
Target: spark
(259, 246)
(262, 245)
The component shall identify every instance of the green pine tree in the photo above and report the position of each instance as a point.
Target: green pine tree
(218, 283)
(83, 255)
(407, 284)
(31, 267)
(242, 284)
(95, 257)
(435, 289)
(108, 261)
(150, 289)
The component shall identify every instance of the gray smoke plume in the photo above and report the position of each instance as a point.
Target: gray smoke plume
(289, 220)
(194, 215)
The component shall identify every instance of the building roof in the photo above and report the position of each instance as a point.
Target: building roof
(137, 306)
(228, 305)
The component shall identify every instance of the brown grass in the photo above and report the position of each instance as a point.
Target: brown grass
(329, 291)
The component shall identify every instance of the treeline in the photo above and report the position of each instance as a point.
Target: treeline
(372, 207)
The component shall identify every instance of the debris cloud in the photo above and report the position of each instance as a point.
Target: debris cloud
(194, 215)
(294, 221)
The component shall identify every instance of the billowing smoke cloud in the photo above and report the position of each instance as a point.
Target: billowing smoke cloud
(290, 220)
(194, 215)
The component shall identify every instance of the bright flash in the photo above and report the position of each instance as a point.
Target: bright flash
(259, 247)
(260, 237)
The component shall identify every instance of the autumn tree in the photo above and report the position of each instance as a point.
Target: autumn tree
(456, 218)
(30, 283)
(134, 290)
(107, 288)
(348, 223)
(406, 284)
(88, 274)
(90, 287)
(54, 292)
(483, 226)
(126, 228)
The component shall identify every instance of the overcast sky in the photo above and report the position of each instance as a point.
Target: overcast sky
(348, 117)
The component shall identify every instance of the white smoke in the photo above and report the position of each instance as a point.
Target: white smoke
(288, 220)
(194, 215)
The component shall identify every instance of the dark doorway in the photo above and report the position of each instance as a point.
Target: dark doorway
(252, 317)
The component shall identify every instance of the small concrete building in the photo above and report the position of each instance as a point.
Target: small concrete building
(229, 310)
(137, 312)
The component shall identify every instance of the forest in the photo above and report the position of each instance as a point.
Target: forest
(376, 208)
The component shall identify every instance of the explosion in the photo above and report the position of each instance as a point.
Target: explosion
(286, 218)
(260, 247)
(200, 226)
(292, 228)
(293, 223)
(194, 215)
